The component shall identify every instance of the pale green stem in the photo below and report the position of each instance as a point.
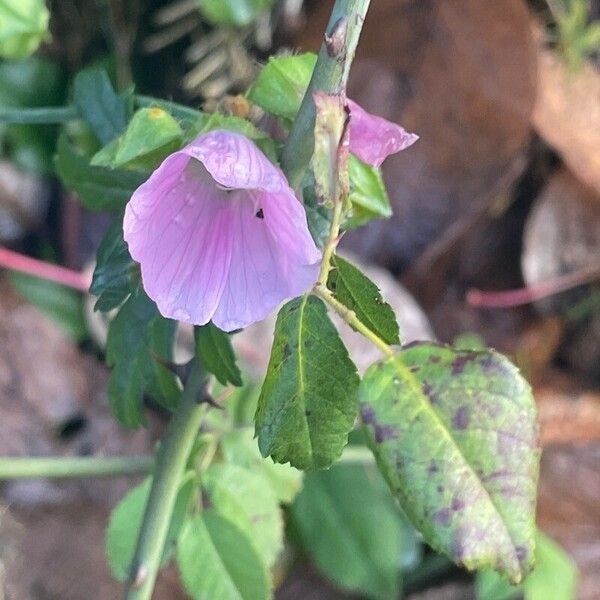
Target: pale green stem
(330, 76)
(332, 241)
(171, 459)
(73, 467)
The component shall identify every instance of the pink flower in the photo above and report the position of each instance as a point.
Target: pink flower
(219, 234)
(373, 139)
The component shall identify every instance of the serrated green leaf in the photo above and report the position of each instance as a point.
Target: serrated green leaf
(23, 27)
(218, 562)
(243, 497)
(105, 111)
(115, 275)
(63, 305)
(349, 525)
(280, 86)
(555, 576)
(368, 197)
(358, 293)
(455, 435)
(307, 404)
(150, 137)
(136, 336)
(99, 189)
(240, 448)
(216, 355)
(237, 13)
(126, 520)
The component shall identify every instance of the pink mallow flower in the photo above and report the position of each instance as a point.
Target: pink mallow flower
(219, 234)
(373, 139)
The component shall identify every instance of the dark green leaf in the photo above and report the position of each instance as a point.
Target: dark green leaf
(555, 576)
(455, 435)
(135, 337)
(218, 562)
(126, 520)
(237, 13)
(63, 305)
(216, 355)
(307, 404)
(244, 498)
(357, 292)
(23, 27)
(368, 197)
(99, 189)
(103, 109)
(280, 86)
(115, 274)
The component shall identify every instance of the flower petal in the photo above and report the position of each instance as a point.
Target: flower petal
(273, 258)
(373, 139)
(236, 162)
(178, 227)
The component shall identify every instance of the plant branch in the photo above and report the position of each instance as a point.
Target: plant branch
(330, 76)
(171, 459)
(74, 467)
(331, 244)
(38, 116)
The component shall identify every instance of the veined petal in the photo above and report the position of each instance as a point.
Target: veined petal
(373, 138)
(236, 162)
(178, 227)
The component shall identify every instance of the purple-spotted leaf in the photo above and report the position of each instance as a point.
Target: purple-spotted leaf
(455, 435)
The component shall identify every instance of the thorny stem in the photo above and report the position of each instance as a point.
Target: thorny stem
(74, 467)
(330, 76)
(171, 459)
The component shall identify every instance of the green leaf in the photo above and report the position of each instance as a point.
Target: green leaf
(126, 520)
(280, 86)
(98, 189)
(103, 109)
(63, 305)
(23, 27)
(307, 404)
(236, 13)
(216, 355)
(368, 197)
(135, 337)
(240, 448)
(455, 435)
(150, 137)
(555, 576)
(115, 274)
(244, 498)
(349, 525)
(218, 562)
(357, 292)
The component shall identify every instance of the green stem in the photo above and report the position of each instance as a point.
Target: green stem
(332, 241)
(357, 455)
(180, 111)
(171, 460)
(330, 76)
(38, 116)
(72, 467)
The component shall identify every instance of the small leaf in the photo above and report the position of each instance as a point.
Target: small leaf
(555, 576)
(455, 435)
(135, 336)
(349, 525)
(242, 497)
(115, 274)
(240, 448)
(63, 305)
(357, 292)
(126, 520)
(237, 13)
(307, 404)
(218, 562)
(23, 27)
(99, 189)
(280, 86)
(368, 197)
(103, 109)
(216, 355)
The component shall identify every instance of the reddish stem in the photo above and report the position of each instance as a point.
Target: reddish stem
(538, 291)
(44, 270)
